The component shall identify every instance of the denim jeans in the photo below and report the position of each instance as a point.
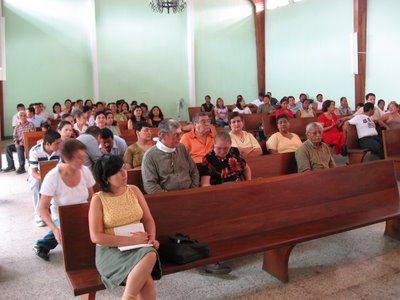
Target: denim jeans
(9, 155)
(49, 242)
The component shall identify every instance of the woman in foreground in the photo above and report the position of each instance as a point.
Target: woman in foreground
(119, 204)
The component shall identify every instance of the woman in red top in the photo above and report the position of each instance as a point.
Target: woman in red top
(331, 134)
(284, 109)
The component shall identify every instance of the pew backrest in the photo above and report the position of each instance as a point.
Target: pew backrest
(391, 142)
(272, 165)
(30, 140)
(45, 167)
(218, 213)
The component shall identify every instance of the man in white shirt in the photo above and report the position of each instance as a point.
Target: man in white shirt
(259, 100)
(377, 112)
(15, 120)
(366, 130)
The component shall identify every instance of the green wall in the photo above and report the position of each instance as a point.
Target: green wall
(47, 55)
(225, 50)
(142, 55)
(383, 48)
(308, 49)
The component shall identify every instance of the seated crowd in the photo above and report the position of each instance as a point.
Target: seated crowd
(88, 143)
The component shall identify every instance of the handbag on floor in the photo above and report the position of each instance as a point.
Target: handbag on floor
(181, 249)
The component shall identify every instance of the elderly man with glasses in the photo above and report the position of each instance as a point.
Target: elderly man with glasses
(167, 166)
(313, 154)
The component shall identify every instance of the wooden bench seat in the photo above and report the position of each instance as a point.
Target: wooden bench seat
(272, 165)
(355, 153)
(264, 215)
(391, 147)
(30, 140)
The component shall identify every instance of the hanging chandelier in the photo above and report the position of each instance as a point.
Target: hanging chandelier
(176, 6)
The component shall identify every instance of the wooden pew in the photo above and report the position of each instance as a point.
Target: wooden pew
(54, 123)
(262, 215)
(272, 165)
(45, 167)
(391, 147)
(122, 125)
(135, 178)
(195, 109)
(355, 153)
(252, 123)
(129, 136)
(192, 111)
(30, 140)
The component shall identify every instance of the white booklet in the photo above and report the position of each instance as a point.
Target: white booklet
(128, 230)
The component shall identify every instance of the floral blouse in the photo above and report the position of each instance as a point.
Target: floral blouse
(228, 169)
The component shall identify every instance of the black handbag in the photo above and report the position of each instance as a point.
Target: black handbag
(181, 249)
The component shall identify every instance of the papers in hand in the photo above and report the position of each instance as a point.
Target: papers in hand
(128, 230)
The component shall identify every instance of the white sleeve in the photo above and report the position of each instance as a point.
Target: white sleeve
(88, 176)
(49, 184)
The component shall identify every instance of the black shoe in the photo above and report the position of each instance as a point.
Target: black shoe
(43, 253)
(217, 268)
(21, 170)
(9, 169)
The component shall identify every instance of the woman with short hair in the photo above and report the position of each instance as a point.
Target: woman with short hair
(70, 182)
(391, 120)
(134, 153)
(244, 141)
(223, 164)
(331, 134)
(116, 205)
(283, 141)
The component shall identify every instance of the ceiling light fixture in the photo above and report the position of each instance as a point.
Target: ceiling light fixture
(176, 6)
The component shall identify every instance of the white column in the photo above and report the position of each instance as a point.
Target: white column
(191, 53)
(93, 47)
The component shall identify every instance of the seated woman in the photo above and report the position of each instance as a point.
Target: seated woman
(137, 116)
(155, 116)
(134, 153)
(391, 120)
(221, 113)
(244, 141)
(305, 111)
(223, 164)
(57, 112)
(81, 122)
(331, 134)
(119, 204)
(70, 182)
(207, 106)
(284, 109)
(64, 128)
(283, 141)
(111, 123)
(241, 107)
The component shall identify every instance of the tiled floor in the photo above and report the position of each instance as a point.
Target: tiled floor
(360, 264)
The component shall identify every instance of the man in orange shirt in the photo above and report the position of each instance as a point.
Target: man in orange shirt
(199, 141)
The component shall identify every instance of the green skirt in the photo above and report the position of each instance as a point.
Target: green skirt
(115, 265)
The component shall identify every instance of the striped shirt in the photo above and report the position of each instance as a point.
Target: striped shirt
(38, 154)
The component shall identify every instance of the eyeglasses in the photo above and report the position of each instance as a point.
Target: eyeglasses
(315, 132)
(204, 122)
(146, 130)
